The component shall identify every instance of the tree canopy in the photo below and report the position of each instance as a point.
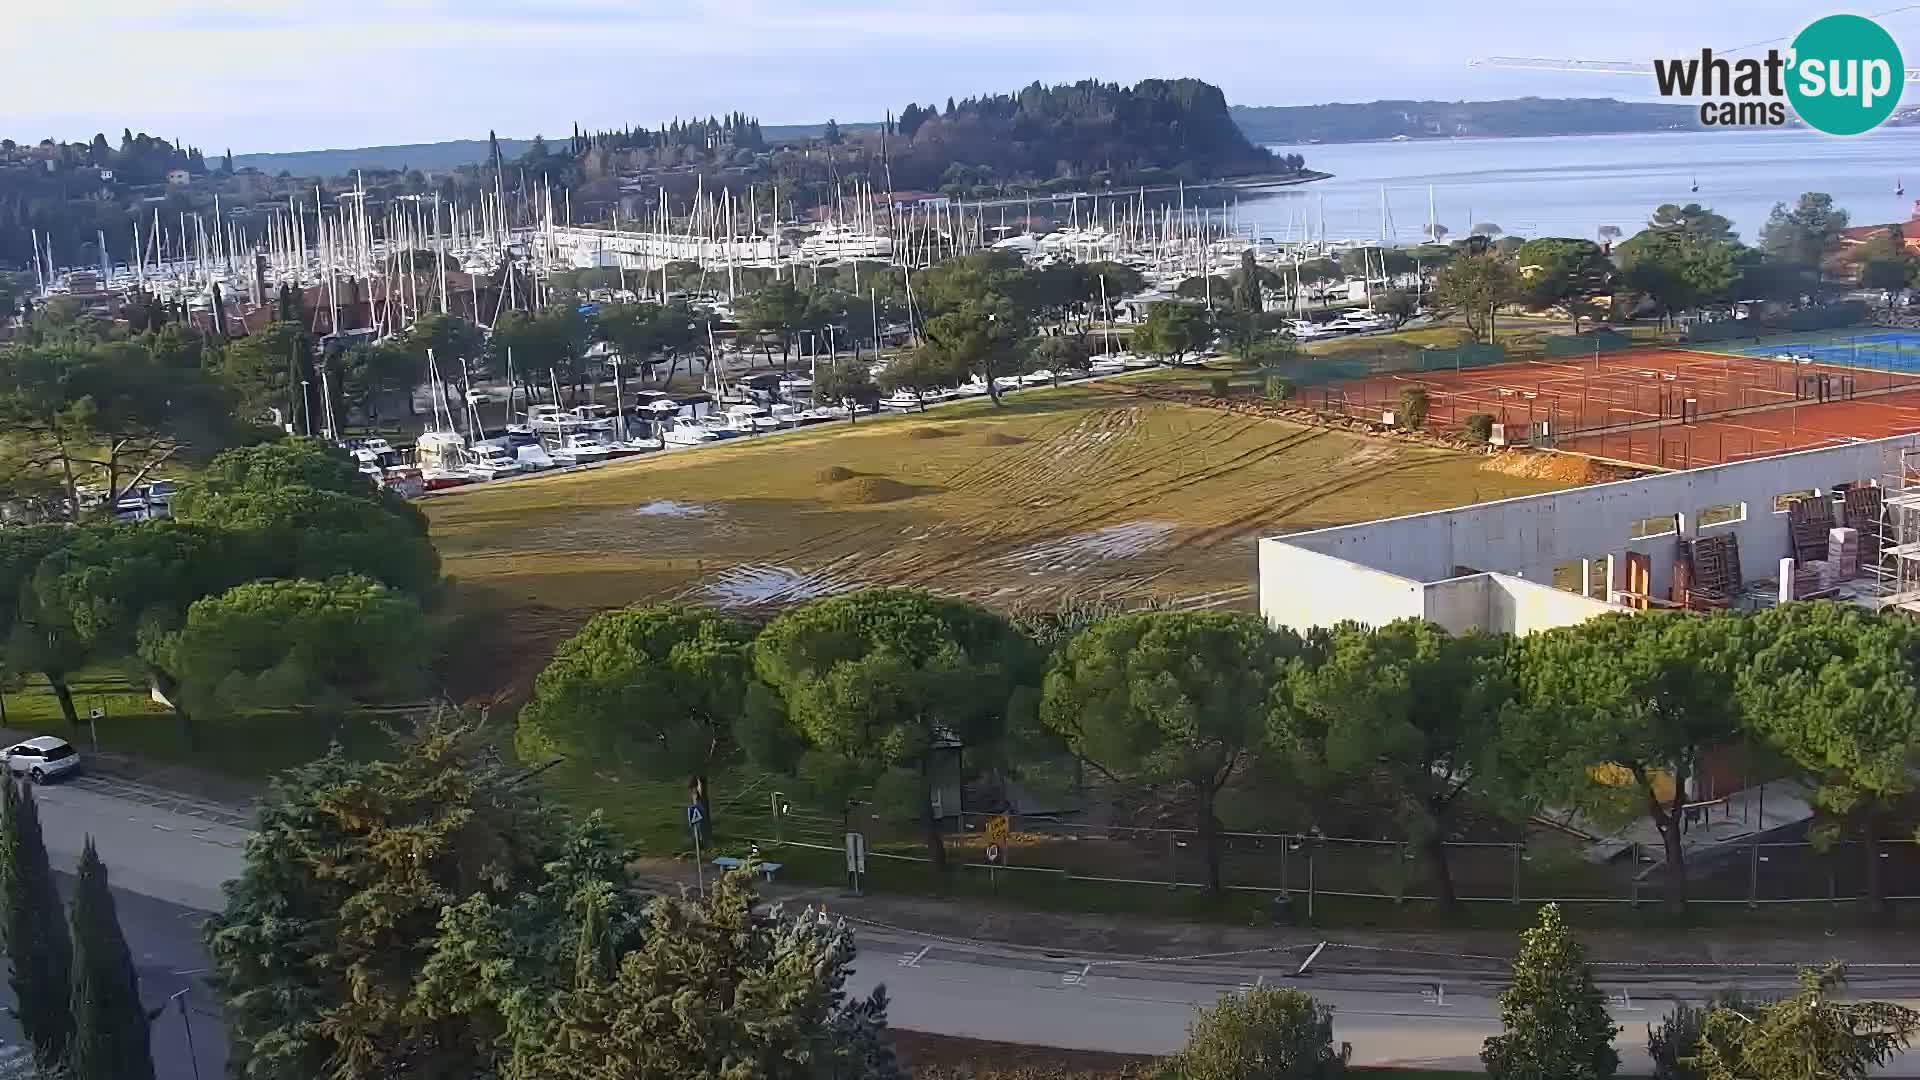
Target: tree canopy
(654, 690)
(878, 683)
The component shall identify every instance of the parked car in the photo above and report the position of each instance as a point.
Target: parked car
(41, 758)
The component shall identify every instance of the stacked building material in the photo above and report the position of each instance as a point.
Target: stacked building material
(1863, 516)
(1843, 553)
(1808, 521)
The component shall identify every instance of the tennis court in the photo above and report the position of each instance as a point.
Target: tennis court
(1614, 390)
(1802, 426)
(1883, 350)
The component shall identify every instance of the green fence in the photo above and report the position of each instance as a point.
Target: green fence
(1323, 370)
(1588, 344)
(1800, 320)
(1473, 354)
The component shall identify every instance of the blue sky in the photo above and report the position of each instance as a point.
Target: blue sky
(259, 76)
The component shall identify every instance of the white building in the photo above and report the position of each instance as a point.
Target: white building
(1526, 564)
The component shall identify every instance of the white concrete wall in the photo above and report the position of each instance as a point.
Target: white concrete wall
(1459, 604)
(1303, 589)
(1527, 536)
(1437, 565)
(1515, 606)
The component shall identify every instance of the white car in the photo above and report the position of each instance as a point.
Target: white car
(41, 758)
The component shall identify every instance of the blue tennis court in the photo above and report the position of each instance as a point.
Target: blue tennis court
(1885, 350)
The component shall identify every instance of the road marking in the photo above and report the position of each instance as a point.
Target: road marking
(1624, 1002)
(1248, 988)
(914, 960)
(1435, 995)
(1076, 978)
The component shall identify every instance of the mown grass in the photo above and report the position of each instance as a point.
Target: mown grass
(248, 746)
(1006, 505)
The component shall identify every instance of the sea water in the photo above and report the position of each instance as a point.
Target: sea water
(1572, 185)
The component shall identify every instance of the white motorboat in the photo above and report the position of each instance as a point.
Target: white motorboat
(630, 447)
(533, 457)
(1107, 366)
(689, 434)
(1007, 382)
(749, 419)
(587, 448)
(902, 399)
(1036, 378)
(973, 387)
(787, 416)
(491, 461)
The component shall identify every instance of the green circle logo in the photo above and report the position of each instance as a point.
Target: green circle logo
(1846, 74)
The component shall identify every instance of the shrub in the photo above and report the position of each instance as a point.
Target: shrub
(1675, 1039)
(1272, 1034)
(1480, 426)
(1280, 388)
(1218, 386)
(1413, 407)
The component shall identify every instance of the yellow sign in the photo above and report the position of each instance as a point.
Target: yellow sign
(998, 828)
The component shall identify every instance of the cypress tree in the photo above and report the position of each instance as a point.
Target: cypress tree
(110, 1034)
(35, 936)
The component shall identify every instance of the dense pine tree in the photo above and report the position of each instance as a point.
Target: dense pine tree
(110, 1026)
(35, 935)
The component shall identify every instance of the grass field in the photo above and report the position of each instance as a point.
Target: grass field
(1079, 492)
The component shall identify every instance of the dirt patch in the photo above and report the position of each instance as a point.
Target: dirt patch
(833, 474)
(869, 490)
(998, 438)
(669, 508)
(950, 1057)
(1567, 468)
(931, 433)
(1086, 550)
(754, 584)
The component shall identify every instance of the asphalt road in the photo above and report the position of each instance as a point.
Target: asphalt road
(167, 858)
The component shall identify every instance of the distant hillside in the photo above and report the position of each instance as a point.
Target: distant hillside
(1340, 122)
(427, 157)
(785, 133)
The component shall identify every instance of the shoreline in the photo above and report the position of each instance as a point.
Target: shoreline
(1239, 183)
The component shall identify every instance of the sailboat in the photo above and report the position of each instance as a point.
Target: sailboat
(1695, 185)
(1899, 186)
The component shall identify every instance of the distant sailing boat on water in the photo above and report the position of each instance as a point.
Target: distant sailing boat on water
(1696, 184)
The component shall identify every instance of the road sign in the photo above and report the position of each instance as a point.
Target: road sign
(856, 853)
(993, 853)
(96, 713)
(999, 827)
(695, 816)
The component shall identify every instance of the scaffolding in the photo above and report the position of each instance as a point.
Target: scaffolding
(1896, 569)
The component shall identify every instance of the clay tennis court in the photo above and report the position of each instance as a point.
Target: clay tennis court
(1609, 391)
(1804, 426)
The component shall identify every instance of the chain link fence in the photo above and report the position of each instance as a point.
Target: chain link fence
(1308, 867)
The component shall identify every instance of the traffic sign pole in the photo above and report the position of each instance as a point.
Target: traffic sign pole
(694, 818)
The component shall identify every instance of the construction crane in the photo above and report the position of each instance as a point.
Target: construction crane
(1597, 67)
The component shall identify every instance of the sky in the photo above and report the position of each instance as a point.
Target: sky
(253, 75)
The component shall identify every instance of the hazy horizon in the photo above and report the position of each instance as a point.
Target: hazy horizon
(249, 76)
